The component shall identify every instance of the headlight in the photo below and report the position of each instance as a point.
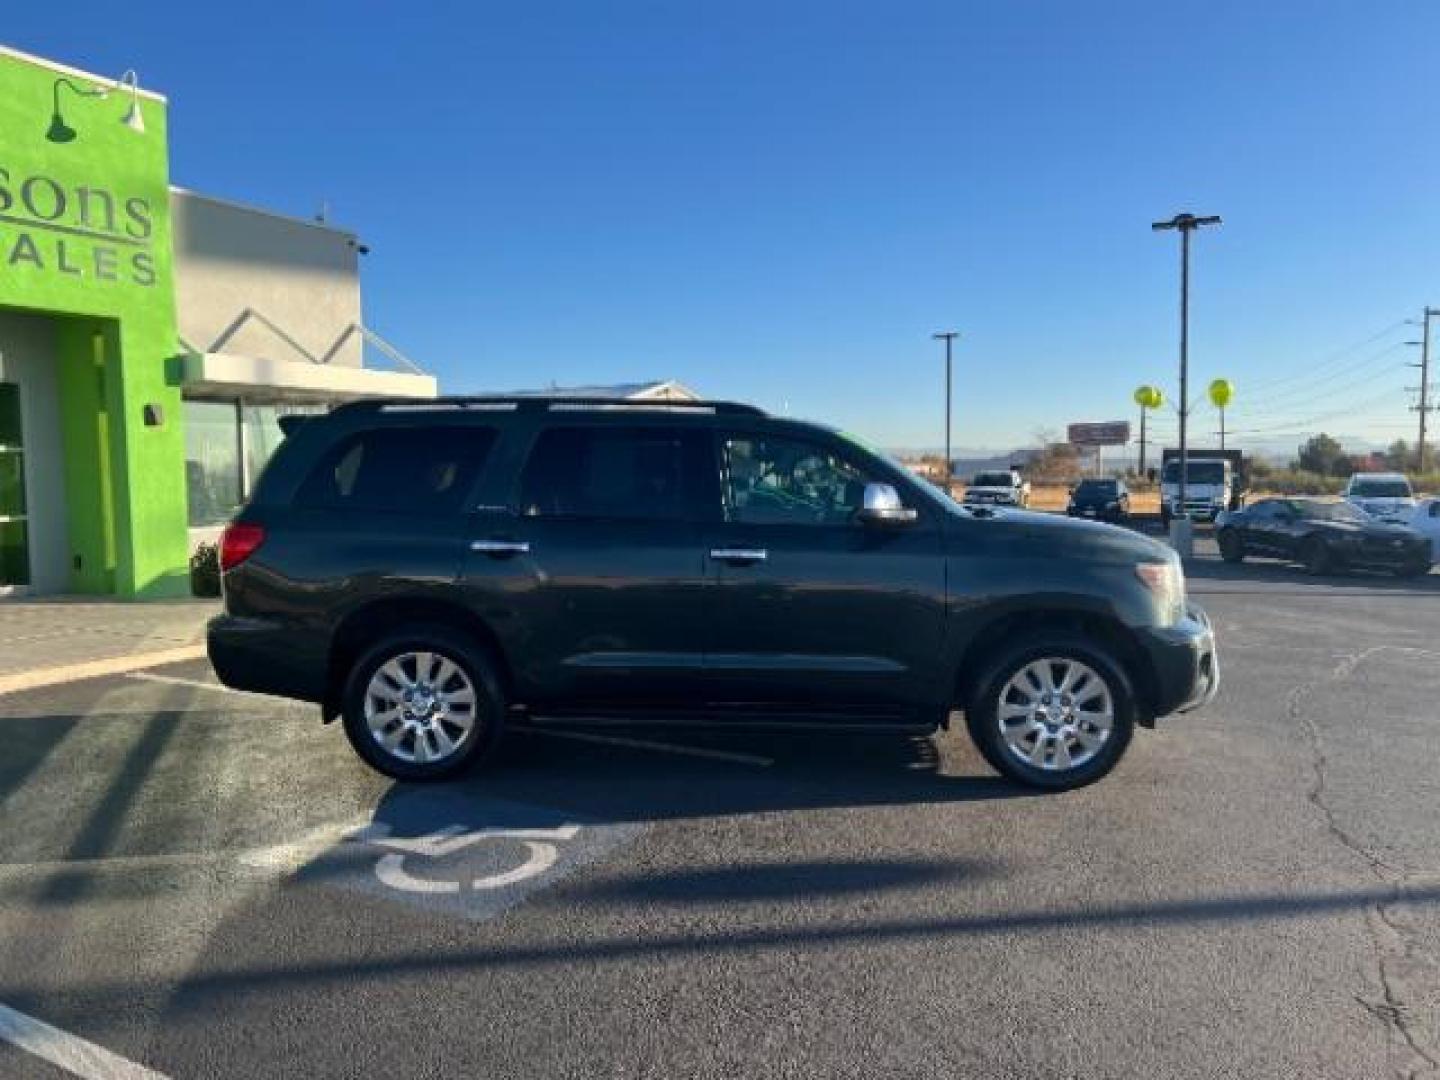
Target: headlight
(1166, 582)
(1113, 504)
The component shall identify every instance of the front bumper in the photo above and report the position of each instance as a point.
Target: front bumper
(1199, 511)
(1184, 661)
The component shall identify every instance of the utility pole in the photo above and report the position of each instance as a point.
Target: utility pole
(1185, 224)
(1424, 407)
(948, 336)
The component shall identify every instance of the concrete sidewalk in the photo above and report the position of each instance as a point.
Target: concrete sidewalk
(43, 641)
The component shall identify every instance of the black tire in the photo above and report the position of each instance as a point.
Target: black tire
(982, 710)
(476, 664)
(1315, 556)
(1232, 548)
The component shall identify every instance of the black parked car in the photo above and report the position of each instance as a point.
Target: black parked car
(1322, 535)
(1106, 500)
(431, 572)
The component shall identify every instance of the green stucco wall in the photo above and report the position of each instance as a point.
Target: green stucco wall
(85, 235)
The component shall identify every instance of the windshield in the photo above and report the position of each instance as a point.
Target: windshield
(1199, 472)
(1381, 489)
(1096, 487)
(992, 479)
(1329, 511)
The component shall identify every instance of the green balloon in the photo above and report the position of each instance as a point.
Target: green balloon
(1149, 397)
(1221, 391)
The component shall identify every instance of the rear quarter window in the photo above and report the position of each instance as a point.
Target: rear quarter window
(399, 470)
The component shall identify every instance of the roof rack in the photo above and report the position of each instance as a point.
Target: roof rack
(543, 403)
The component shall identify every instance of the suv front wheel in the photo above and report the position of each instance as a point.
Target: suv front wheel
(423, 704)
(1054, 713)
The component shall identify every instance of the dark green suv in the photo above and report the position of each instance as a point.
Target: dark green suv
(430, 572)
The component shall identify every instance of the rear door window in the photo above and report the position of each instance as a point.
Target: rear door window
(610, 472)
(427, 470)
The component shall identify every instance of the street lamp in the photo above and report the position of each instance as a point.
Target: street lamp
(1147, 397)
(1221, 391)
(948, 336)
(59, 131)
(1185, 224)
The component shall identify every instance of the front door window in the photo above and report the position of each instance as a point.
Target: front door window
(778, 481)
(14, 540)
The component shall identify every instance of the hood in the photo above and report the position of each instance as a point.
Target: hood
(1066, 537)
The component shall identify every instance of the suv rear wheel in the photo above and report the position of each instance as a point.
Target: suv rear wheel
(423, 704)
(1054, 713)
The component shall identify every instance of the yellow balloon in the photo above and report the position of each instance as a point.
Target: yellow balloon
(1149, 397)
(1221, 391)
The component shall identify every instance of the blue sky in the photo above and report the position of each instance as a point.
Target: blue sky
(780, 201)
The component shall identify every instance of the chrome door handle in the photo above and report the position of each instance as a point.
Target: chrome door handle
(739, 555)
(500, 549)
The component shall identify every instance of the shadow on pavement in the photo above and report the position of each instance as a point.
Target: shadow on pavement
(607, 783)
(206, 991)
(764, 881)
(1275, 572)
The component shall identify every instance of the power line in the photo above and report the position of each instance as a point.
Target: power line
(1371, 368)
(1354, 411)
(1331, 358)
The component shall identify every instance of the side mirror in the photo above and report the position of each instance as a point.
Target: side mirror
(882, 506)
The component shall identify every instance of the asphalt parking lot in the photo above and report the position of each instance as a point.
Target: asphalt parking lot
(208, 884)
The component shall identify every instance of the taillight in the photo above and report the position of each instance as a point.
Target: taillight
(238, 542)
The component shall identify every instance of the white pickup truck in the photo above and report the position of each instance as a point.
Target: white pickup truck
(1386, 496)
(998, 489)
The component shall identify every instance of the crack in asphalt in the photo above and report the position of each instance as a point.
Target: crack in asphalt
(1393, 1011)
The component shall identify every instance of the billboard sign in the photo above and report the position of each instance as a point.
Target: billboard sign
(1112, 433)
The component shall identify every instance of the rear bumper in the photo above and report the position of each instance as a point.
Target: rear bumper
(266, 657)
(1185, 663)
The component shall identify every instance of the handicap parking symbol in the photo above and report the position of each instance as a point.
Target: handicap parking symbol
(539, 843)
(467, 856)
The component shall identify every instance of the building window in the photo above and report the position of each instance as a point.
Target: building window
(262, 436)
(227, 446)
(212, 462)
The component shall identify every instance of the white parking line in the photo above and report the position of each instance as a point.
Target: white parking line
(646, 744)
(69, 1052)
(194, 684)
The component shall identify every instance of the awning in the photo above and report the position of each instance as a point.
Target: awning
(277, 382)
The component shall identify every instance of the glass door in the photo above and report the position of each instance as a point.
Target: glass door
(14, 542)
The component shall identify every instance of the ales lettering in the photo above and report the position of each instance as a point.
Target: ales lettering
(81, 231)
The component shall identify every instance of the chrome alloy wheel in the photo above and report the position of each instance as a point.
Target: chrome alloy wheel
(1055, 714)
(420, 707)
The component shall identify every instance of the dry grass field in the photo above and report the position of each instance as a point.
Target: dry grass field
(1053, 497)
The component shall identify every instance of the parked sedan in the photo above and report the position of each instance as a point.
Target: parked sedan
(1322, 535)
(1106, 500)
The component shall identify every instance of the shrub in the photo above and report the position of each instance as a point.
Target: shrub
(205, 571)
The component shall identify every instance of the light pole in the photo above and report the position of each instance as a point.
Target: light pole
(948, 336)
(1147, 397)
(1221, 392)
(1185, 224)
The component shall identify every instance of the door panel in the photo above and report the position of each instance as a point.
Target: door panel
(836, 614)
(594, 576)
(605, 612)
